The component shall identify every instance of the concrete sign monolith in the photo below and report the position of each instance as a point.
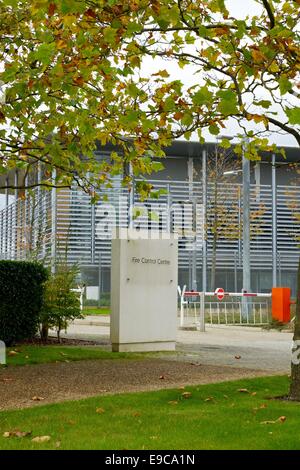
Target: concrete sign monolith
(144, 291)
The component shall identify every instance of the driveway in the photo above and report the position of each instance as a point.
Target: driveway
(235, 346)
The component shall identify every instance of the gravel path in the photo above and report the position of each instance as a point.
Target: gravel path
(74, 380)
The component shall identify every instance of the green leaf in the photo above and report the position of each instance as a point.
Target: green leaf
(109, 35)
(293, 115)
(202, 96)
(284, 84)
(44, 53)
(214, 129)
(228, 103)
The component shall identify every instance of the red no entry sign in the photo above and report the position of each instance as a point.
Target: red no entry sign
(219, 292)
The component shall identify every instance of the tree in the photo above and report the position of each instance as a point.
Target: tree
(61, 304)
(73, 75)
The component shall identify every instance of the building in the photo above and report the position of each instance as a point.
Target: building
(57, 225)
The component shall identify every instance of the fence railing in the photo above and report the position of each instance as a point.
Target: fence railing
(234, 309)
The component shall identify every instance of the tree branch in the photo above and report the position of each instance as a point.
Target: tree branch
(270, 13)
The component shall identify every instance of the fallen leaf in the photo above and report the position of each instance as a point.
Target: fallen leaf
(209, 399)
(57, 444)
(12, 353)
(243, 390)
(161, 377)
(63, 354)
(237, 357)
(17, 433)
(253, 394)
(281, 419)
(261, 407)
(153, 438)
(6, 379)
(41, 439)
(100, 410)
(136, 414)
(36, 398)
(173, 402)
(186, 395)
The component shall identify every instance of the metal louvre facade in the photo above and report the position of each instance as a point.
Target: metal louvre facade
(64, 224)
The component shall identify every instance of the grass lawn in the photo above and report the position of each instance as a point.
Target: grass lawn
(35, 354)
(96, 311)
(216, 416)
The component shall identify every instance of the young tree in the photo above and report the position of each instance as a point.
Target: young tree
(222, 212)
(61, 304)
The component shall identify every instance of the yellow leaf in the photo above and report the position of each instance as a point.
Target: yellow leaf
(41, 439)
(60, 44)
(161, 73)
(12, 353)
(274, 67)
(257, 55)
(100, 411)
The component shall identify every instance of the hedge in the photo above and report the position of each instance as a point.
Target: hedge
(21, 296)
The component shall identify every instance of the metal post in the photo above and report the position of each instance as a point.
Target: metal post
(279, 268)
(246, 235)
(53, 224)
(99, 280)
(169, 209)
(193, 252)
(274, 223)
(204, 246)
(93, 232)
(6, 192)
(235, 271)
(131, 199)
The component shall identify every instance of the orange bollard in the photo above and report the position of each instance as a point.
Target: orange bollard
(281, 302)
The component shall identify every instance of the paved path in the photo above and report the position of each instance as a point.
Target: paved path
(219, 345)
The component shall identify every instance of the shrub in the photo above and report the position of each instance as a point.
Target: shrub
(21, 296)
(61, 305)
(104, 301)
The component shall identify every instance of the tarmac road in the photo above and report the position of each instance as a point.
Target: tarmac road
(245, 347)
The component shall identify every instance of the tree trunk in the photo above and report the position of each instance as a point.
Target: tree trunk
(295, 366)
(44, 331)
